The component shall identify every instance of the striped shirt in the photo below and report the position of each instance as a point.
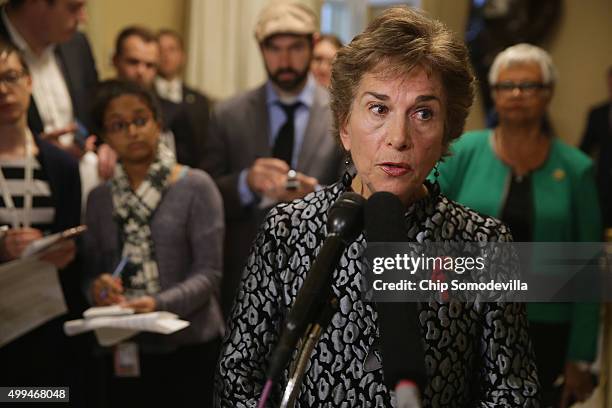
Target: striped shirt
(43, 211)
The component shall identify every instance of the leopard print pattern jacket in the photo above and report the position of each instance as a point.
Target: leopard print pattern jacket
(476, 354)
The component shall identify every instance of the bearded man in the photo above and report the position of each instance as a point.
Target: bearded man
(274, 143)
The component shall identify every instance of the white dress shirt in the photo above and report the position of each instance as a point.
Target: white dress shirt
(171, 90)
(49, 88)
(50, 93)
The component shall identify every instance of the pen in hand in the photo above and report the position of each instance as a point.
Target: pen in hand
(120, 267)
(105, 291)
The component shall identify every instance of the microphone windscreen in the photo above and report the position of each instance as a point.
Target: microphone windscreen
(400, 338)
(384, 218)
(345, 217)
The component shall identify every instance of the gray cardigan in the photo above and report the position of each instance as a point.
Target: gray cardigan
(187, 230)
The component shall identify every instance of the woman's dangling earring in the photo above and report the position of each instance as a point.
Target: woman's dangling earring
(433, 187)
(350, 172)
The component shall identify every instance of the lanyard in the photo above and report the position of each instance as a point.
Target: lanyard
(28, 186)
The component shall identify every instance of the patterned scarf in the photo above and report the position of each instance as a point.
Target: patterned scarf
(133, 211)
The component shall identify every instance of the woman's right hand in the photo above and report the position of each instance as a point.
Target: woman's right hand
(107, 290)
(16, 240)
(107, 161)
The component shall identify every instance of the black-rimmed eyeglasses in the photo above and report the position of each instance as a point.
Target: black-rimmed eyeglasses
(527, 88)
(11, 78)
(124, 125)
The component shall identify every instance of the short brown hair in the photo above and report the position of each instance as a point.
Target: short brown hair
(171, 33)
(332, 39)
(143, 33)
(7, 48)
(397, 41)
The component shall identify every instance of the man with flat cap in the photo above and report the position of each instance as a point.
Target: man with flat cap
(274, 143)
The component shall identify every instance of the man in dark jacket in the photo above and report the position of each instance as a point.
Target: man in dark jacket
(61, 62)
(170, 86)
(597, 142)
(137, 59)
(272, 143)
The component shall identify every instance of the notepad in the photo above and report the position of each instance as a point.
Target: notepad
(113, 310)
(111, 329)
(30, 295)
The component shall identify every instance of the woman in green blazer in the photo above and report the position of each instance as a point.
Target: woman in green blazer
(545, 190)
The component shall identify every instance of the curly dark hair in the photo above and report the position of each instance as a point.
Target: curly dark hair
(111, 89)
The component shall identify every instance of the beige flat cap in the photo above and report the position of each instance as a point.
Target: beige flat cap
(285, 17)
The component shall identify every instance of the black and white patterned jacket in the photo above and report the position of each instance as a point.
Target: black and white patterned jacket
(476, 354)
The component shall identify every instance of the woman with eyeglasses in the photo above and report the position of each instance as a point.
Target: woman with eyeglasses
(158, 226)
(544, 190)
(40, 194)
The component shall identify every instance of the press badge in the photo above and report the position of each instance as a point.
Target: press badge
(126, 360)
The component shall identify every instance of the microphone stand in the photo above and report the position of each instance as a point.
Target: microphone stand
(307, 345)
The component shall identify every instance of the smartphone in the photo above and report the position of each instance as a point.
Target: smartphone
(80, 134)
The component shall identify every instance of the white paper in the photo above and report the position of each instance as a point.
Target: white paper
(30, 295)
(113, 310)
(113, 329)
(109, 337)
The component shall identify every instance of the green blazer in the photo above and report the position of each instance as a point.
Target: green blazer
(565, 208)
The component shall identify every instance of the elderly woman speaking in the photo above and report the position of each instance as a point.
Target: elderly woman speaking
(400, 93)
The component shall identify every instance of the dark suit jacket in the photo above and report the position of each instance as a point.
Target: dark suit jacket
(188, 121)
(597, 141)
(62, 171)
(197, 107)
(79, 69)
(45, 355)
(597, 130)
(237, 136)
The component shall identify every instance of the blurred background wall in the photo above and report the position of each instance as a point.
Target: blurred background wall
(107, 17)
(582, 52)
(224, 58)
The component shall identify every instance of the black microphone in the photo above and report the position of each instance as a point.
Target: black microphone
(384, 218)
(344, 224)
(400, 331)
